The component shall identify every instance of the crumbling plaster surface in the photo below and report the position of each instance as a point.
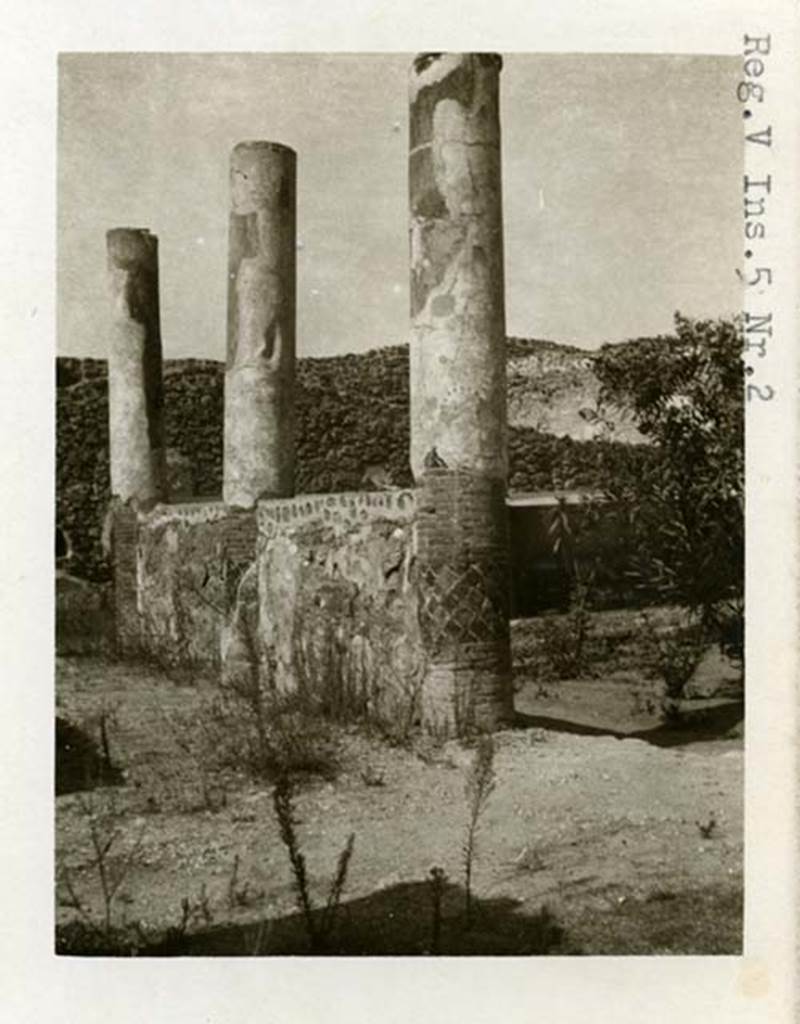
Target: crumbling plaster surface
(337, 596)
(328, 594)
(259, 378)
(189, 562)
(457, 369)
(134, 378)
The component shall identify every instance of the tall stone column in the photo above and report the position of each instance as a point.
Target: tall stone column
(458, 389)
(135, 388)
(135, 411)
(259, 378)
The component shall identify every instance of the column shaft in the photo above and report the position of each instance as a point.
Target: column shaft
(259, 379)
(458, 370)
(458, 390)
(135, 388)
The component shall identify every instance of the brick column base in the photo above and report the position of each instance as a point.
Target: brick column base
(124, 538)
(464, 574)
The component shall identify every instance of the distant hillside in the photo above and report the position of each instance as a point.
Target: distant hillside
(551, 387)
(352, 422)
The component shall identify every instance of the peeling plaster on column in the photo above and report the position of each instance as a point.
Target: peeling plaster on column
(430, 68)
(259, 378)
(458, 393)
(135, 391)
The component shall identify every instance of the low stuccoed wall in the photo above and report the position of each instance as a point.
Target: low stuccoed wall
(190, 559)
(337, 598)
(317, 590)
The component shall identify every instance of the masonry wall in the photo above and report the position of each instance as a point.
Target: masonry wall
(317, 591)
(189, 562)
(338, 599)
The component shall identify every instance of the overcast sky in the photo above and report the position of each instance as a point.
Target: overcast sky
(621, 177)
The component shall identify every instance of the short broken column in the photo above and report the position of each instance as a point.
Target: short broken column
(458, 390)
(135, 386)
(259, 453)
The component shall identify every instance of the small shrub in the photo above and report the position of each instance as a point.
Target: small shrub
(319, 927)
(80, 937)
(194, 912)
(709, 828)
(564, 642)
(329, 680)
(371, 777)
(241, 895)
(673, 656)
(479, 786)
(110, 867)
(565, 638)
(270, 735)
(643, 703)
(431, 748)
(258, 732)
(726, 621)
(340, 678)
(398, 718)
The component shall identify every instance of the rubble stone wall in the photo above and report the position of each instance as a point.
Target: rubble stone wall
(317, 591)
(189, 561)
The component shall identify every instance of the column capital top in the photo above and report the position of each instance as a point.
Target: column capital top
(262, 145)
(423, 61)
(130, 245)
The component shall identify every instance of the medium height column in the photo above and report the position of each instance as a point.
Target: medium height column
(458, 389)
(259, 378)
(135, 389)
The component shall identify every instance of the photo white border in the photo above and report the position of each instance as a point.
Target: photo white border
(37, 986)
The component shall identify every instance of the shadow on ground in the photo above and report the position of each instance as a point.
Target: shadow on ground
(80, 765)
(696, 726)
(686, 922)
(398, 921)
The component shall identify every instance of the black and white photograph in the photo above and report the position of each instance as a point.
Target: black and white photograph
(401, 550)
(400, 505)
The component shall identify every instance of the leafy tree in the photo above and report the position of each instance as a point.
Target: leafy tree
(682, 509)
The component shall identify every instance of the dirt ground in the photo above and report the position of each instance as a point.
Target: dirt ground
(606, 832)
